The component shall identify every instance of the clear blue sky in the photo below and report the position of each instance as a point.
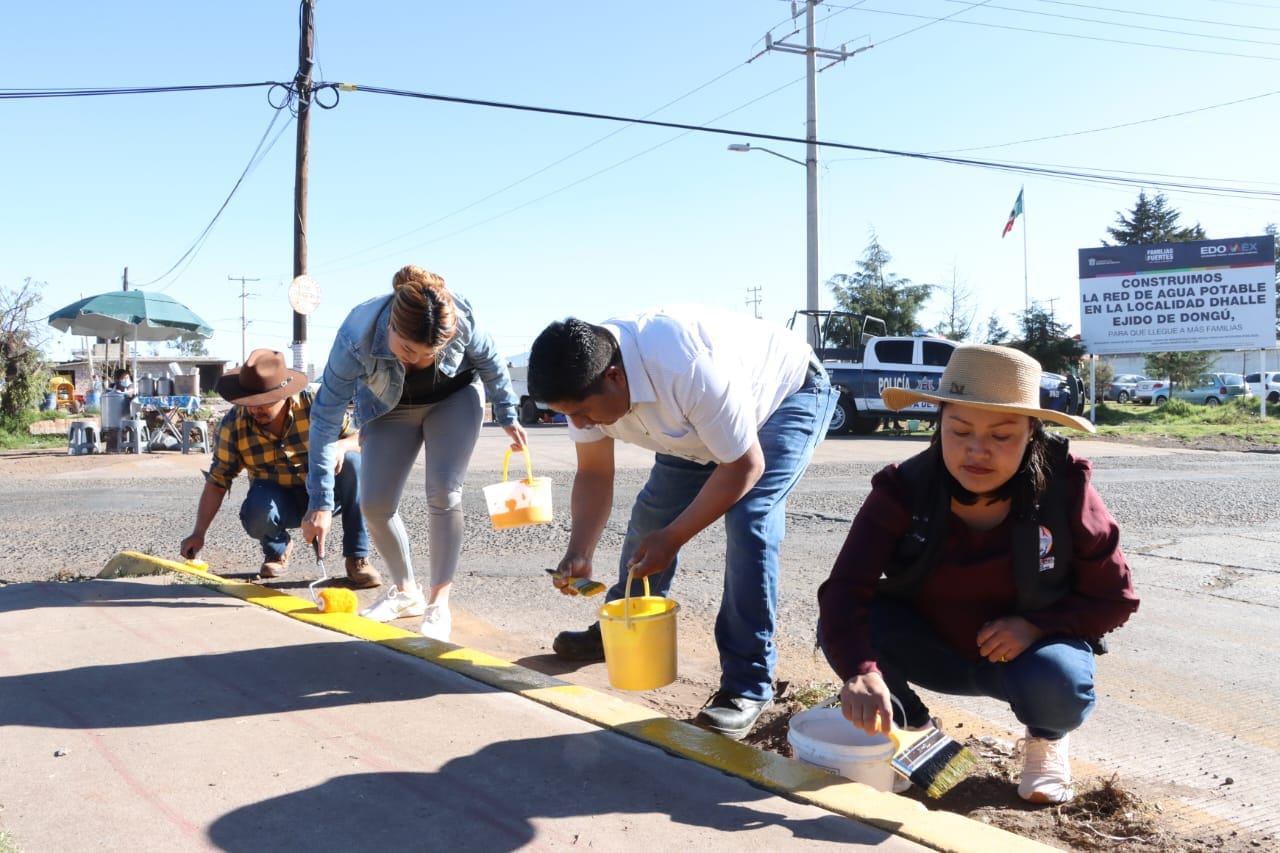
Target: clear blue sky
(536, 217)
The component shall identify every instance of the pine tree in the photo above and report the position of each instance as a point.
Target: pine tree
(875, 291)
(1152, 221)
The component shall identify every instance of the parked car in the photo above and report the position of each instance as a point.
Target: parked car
(1265, 385)
(1121, 388)
(1148, 390)
(1208, 389)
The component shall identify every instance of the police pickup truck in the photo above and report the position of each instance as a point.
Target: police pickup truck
(879, 361)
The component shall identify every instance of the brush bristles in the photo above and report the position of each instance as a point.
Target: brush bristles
(936, 764)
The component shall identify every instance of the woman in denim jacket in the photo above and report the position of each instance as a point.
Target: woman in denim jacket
(414, 363)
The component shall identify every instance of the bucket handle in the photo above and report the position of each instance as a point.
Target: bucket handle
(528, 463)
(626, 598)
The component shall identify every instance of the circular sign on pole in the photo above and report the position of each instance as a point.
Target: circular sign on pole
(304, 294)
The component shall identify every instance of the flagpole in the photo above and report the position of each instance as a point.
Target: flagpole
(1026, 299)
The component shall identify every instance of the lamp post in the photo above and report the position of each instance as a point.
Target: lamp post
(811, 222)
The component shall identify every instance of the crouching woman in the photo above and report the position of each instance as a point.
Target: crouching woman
(985, 566)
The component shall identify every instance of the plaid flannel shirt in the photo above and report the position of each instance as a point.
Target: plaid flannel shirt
(242, 445)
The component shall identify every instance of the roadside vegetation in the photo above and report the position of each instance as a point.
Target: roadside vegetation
(1196, 426)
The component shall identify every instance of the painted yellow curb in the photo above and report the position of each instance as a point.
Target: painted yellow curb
(796, 780)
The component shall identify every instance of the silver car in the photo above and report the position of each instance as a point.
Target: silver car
(1121, 388)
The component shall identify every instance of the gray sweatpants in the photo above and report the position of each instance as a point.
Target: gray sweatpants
(389, 447)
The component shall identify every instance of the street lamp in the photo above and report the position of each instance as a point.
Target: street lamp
(811, 221)
(746, 146)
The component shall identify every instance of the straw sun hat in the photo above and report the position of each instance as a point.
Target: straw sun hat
(997, 379)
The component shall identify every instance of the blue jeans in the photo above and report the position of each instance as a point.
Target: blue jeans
(271, 510)
(754, 528)
(1049, 686)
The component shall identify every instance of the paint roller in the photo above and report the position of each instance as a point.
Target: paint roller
(333, 599)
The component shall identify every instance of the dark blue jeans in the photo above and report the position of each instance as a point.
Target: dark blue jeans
(1049, 687)
(271, 510)
(754, 528)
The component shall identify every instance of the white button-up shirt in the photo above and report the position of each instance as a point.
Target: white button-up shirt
(702, 381)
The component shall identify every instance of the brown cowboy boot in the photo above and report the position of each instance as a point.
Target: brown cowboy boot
(275, 568)
(362, 574)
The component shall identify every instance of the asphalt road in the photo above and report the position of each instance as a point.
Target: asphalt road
(1188, 693)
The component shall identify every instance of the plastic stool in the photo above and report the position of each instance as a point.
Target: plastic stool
(201, 440)
(134, 436)
(82, 438)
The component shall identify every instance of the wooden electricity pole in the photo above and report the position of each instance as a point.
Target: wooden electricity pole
(306, 61)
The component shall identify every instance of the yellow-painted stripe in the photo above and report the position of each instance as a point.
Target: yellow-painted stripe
(897, 815)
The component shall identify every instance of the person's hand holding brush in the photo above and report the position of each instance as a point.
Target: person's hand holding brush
(864, 700)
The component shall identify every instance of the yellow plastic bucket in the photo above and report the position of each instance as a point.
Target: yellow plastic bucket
(639, 637)
(516, 503)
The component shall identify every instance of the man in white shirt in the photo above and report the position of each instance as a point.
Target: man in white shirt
(733, 407)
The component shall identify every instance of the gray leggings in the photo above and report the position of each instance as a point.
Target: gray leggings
(389, 447)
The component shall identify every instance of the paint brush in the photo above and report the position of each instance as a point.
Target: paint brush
(932, 761)
(580, 586)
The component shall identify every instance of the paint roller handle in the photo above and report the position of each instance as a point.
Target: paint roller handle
(316, 525)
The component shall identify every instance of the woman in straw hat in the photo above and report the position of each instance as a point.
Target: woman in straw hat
(416, 366)
(985, 566)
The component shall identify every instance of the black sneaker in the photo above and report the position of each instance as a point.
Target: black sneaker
(580, 645)
(730, 715)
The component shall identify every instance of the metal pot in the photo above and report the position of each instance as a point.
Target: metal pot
(115, 408)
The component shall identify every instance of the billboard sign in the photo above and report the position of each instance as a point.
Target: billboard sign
(1179, 297)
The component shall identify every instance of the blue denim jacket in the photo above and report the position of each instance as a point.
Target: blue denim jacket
(362, 368)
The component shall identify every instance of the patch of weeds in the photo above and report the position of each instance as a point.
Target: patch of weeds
(1106, 815)
(68, 576)
(814, 693)
(7, 844)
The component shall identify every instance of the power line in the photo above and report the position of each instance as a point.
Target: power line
(18, 94)
(1101, 39)
(258, 154)
(1097, 175)
(1145, 14)
(1150, 29)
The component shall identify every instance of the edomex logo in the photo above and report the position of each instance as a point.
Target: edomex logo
(1220, 249)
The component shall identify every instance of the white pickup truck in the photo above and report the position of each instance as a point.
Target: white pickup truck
(882, 361)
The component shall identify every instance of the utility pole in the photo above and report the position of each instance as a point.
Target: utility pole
(302, 81)
(244, 322)
(754, 300)
(811, 53)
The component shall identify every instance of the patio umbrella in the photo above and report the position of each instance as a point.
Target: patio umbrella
(131, 313)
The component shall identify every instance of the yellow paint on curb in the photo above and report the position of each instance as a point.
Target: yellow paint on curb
(906, 818)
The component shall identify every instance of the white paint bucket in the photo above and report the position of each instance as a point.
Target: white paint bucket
(824, 738)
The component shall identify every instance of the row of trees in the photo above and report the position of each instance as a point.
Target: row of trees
(872, 289)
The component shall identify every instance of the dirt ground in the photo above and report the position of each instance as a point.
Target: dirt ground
(1106, 815)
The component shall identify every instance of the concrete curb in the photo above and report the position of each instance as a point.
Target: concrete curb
(793, 779)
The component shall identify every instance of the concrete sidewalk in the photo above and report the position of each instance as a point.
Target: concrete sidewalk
(158, 714)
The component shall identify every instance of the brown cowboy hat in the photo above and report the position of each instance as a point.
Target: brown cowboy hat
(262, 379)
(997, 379)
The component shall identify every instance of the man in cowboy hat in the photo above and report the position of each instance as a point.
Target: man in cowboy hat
(266, 433)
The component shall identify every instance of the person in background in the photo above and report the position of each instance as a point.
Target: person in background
(123, 382)
(986, 565)
(265, 434)
(734, 408)
(414, 361)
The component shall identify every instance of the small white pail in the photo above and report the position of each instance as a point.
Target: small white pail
(824, 738)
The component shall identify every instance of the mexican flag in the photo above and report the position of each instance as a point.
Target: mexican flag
(1013, 214)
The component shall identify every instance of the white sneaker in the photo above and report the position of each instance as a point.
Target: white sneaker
(395, 604)
(1046, 770)
(437, 622)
